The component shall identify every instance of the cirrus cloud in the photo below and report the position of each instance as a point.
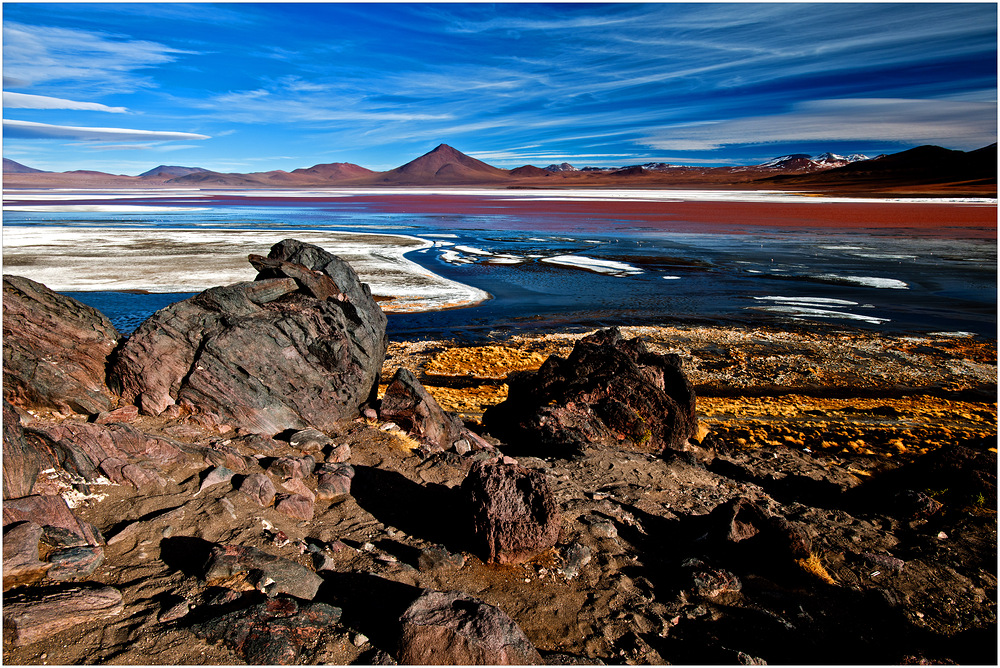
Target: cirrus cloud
(27, 101)
(958, 123)
(32, 130)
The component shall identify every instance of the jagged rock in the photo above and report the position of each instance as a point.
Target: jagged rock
(577, 556)
(452, 628)
(216, 476)
(36, 614)
(55, 350)
(273, 633)
(125, 414)
(296, 506)
(75, 562)
(174, 611)
(740, 520)
(309, 440)
(259, 488)
(86, 449)
(22, 462)
(234, 564)
(610, 391)
(334, 480)
(297, 486)
(262, 358)
(50, 511)
(514, 515)
(21, 562)
(292, 467)
(407, 403)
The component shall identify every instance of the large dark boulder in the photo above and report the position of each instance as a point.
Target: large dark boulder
(55, 350)
(269, 355)
(610, 391)
(514, 515)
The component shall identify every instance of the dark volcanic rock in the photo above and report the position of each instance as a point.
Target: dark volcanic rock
(230, 565)
(55, 350)
(261, 357)
(273, 633)
(610, 391)
(407, 403)
(452, 628)
(513, 512)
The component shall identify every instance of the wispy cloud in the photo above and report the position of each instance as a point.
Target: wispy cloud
(80, 59)
(31, 130)
(953, 123)
(26, 101)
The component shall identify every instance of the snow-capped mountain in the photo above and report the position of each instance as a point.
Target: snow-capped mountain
(805, 161)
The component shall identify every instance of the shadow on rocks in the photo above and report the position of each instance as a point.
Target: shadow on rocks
(372, 605)
(432, 512)
(186, 554)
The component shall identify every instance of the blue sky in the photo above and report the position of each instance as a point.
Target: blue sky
(251, 87)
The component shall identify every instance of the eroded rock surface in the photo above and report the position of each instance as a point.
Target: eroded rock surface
(267, 355)
(55, 350)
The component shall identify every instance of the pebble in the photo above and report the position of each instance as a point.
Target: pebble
(360, 639)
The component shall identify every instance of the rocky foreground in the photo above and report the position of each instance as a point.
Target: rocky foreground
(233, 484)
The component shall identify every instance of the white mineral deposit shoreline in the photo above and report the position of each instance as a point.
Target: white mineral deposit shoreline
(186, 260)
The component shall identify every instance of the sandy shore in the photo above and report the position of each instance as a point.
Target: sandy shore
(163, 260)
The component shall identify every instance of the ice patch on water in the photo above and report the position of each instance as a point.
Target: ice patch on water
(99, 208)
(827, 301)
(592, 264)
(671, 278)
(957, 335)
(866, 281)
(801, 311)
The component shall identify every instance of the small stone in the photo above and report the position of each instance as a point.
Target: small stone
(359, 639)
(124, 414)
(259, 488)
(218, 475)
(437, 557)
(292, 467)
(340, 453)
(370, 414)
(235, 564)
(577, 556)
(462, 446)
(942, 535)
(604, 530)
(296, 506)
(309, 440)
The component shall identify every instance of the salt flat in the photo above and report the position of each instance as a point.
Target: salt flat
(171, 260)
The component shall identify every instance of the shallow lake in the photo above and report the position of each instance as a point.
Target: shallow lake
(548, 265)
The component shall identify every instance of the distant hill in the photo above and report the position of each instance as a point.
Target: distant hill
(335, 171)
(925, 169)
(923, 165)
(11, 167)
(443, 165)
(168, 172)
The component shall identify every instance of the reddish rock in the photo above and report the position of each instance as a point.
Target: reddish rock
(285, 362)
(292, 467)
(297, 486)
(296, 506)
(35, 615)
(514, 515)
(259, 488)
(610, 391)
(309, 440)
(75, 562)
(21, 563)
(334, 481)
(314, 283)
(127, 413)
(452, 628)
(49, 511)
(340, 453)
(22, 459)
(55, 350)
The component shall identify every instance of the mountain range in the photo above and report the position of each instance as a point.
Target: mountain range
(922, 169)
